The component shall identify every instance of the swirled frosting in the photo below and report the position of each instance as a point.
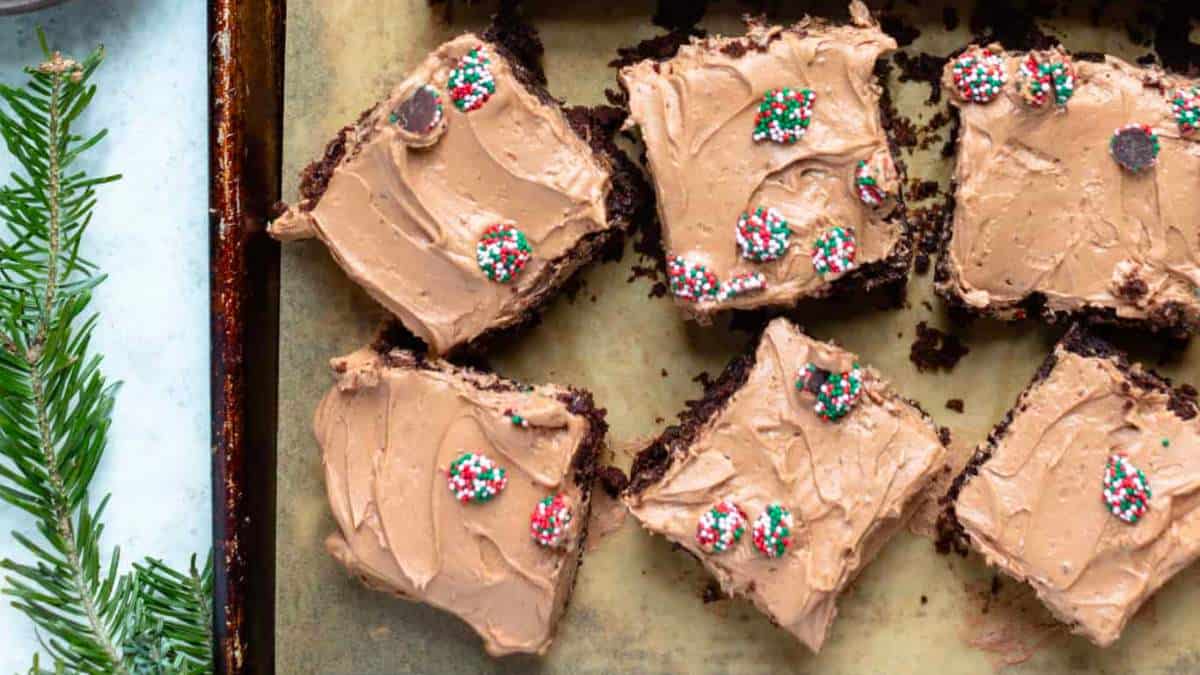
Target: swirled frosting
(847, 483)
(1042, 207)
(388, 431)
(403, 219)
(1035, 508)
(696, 115)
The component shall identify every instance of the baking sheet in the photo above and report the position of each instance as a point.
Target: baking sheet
(637, 606)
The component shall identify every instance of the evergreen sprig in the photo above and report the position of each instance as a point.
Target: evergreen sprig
(56, 408)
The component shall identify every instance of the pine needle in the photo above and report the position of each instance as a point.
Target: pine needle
(56, 408)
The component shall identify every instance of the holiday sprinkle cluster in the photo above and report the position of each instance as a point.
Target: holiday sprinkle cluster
(1185, 105)
(837, 395)
(784, 115)
(720, 527)
(1042, 77)
(1126, 490)
(772, 532)
(762, 236)
(474, 478)
(979, 75)
(549, 521)
(834, 251)
(502, 252)
(471, 83)
(869, 191)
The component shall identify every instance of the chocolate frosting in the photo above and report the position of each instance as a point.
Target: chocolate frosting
(403, 219)
(388, 431)
(847, 483)
(1035, 508)
(1042, 207)
(696, 114)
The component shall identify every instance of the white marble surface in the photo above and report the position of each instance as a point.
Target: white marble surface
(150, 236)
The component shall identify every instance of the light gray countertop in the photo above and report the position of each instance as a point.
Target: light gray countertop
(150, 235)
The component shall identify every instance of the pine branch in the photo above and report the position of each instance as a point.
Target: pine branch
(56, 407)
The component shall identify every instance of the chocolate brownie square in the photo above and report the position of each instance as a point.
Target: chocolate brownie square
(788, 476)
(1087, 490)
(1076, 190)
(468, 196)
(460, 489)
(772, 165)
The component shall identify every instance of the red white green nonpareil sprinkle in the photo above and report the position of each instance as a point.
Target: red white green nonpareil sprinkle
(1041, 78)
(475, 479)
(1185, 106)
(979, 75)
(502, 252)
(867, 185)
(516, 420)
(772, 532)
(471, 83)
(741, 284)
(691, 281)
(1126, 490)
(762, 236)
(834, 251)
(720, 527)
(784, 115)
(550, 519)
(837, 395)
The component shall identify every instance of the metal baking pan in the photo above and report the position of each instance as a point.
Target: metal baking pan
(283, 604)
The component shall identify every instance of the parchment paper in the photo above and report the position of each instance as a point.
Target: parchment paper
(637, 606)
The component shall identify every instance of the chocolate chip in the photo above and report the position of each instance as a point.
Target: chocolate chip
(1134, 148)
(421, 112)
(813, 384)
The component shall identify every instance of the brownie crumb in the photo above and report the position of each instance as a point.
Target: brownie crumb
(925, 68)
(944, 436)
(612, 480)
(955, 404)
(679, 14)
(924, 600)
(1133, 288)
(664, 372)
(711, 592)
(932, 349)
(659, 47)
(898, 28)
(1182, 402)
(921, 189)
(950, 21)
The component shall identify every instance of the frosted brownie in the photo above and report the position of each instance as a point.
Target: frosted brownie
(1089, 490)
(771, 164)
(465, 198)
(788, 476)
(1076, 190)
(460, 489)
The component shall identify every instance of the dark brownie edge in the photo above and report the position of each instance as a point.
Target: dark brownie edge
(1182, 401)
(651, 463)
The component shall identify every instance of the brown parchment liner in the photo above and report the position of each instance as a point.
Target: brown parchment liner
(639, 606)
